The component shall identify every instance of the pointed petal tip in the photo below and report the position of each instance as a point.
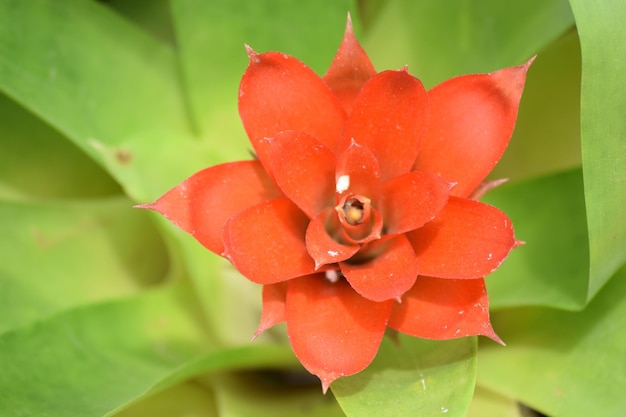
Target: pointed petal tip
(252, 54)
(257, 333)
(326, 384)
(349, 27)
(491, 334)
(518, 243)
(528, 63)
(146, 206)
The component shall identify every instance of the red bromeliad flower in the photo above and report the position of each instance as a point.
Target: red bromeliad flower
(358, 213)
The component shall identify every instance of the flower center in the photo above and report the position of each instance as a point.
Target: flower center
(359, 222)
(353, 211)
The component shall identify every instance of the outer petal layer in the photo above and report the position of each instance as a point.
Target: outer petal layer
(274, 297)
(467, 240)
(471, 121)
(278, 93)
(350, 69)
(388, 275)
(266, 242)
(304, 169)
(203, 203)
(412, 200)
(389, 116)
(333, 331)
(444, 309)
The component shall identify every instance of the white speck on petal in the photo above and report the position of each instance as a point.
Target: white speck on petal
(333, 253)
(332, 275)
(489, 256)
(343, 182)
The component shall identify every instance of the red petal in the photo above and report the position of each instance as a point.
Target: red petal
(388, 275)
(358, 172)
(321, 246)
(471, 121)
(333, 331)
(468, 239)
(350, 69)
(412, 200)
(203, 203)
(266, 242)
(444, 309)
(278, 93)
(274, 297)
(304, 169)
(389, 117)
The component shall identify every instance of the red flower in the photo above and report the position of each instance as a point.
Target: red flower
(357, 214)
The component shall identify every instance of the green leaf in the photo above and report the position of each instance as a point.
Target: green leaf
(602, 33)
(153, 16)
(188, 399)
(413, 377)
(486, 403)
(265, 394)
(441, 39)
(105, 84)
(37, 162)
(87, 362)
(551, 269)
(65, 254)
(565, 364)
(98, 359)
(211, 37)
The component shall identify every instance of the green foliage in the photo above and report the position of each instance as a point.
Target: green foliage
(563, 363)
(412, 377)
(603, 132)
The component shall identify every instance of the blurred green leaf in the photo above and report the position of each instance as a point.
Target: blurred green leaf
(268, 394)
(602, 33)
(37, 162)
(98, 359)
(441, 39)
(232, 302)
(188, 399)
(552, 268)
(89, 361)
(487, 403)
(413, 377)
(211, 37)
(153, 16)
(60, 255)
(105, 84)
(565, 364)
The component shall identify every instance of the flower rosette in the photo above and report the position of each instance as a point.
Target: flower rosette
(359, 212)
